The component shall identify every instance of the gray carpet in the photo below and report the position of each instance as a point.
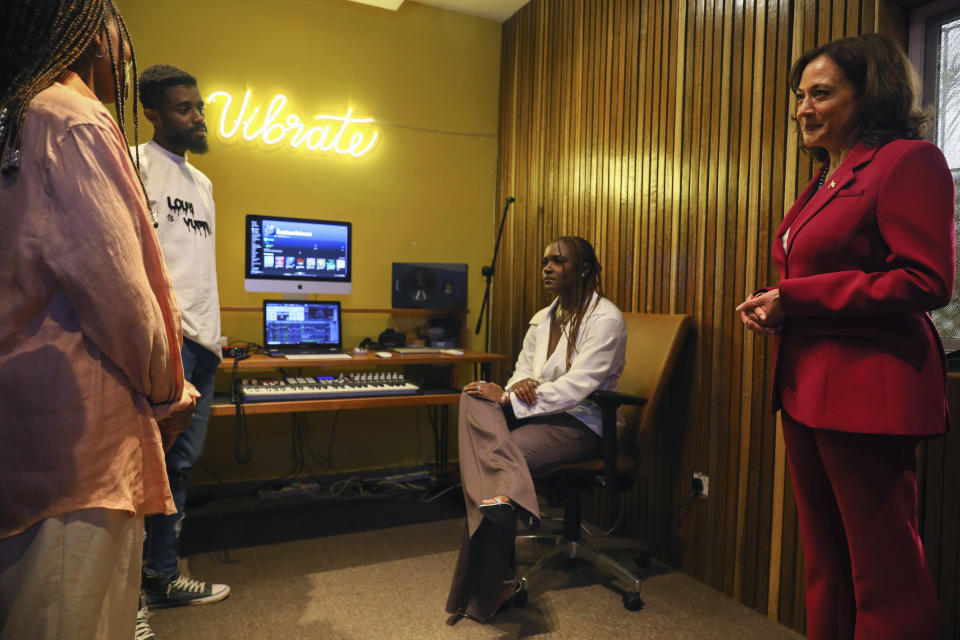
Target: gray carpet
(392, 583)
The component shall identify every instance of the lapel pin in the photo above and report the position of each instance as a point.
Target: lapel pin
(833, 183)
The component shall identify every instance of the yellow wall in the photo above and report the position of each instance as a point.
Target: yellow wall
(423, 194)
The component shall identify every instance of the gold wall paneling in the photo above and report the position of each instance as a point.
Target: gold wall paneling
(661, 132)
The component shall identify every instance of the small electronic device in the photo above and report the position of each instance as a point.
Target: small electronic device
(297, 255)
(384, 354)
(235, 352)
(300, 329)
(430, 285)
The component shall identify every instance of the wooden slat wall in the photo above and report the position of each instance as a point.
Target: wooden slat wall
(661, 132)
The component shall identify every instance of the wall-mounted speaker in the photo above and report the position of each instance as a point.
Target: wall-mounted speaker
(429, 285)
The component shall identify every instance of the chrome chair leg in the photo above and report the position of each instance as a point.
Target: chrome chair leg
(573, 550)
(608, 565)
(544, 558)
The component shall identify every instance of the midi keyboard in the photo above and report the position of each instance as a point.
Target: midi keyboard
(355, 385)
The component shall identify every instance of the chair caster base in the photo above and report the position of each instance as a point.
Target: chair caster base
(632, 601)
(573, 551)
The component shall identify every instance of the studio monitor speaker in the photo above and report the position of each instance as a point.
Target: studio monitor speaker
(429, 285)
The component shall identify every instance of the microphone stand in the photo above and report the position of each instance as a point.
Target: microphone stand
(485, 306)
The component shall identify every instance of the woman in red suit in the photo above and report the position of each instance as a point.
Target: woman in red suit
(863, 254)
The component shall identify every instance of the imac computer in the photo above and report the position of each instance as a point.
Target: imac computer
(297, 255)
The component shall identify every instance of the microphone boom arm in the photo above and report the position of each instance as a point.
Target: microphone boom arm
(488, 272)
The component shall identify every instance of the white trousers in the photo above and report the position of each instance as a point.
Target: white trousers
(72, 577)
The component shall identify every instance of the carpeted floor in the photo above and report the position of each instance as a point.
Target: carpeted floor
(331, 574)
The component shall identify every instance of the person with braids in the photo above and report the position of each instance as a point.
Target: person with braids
(864, 254)
(183, 198)
(542, 419)
(91, 381)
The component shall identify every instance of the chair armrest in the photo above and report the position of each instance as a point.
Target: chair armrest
(615, 398)
(609, 402)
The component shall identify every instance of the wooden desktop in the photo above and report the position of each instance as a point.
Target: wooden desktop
(260, 362)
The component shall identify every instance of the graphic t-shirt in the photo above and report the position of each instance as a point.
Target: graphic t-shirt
(182, 199)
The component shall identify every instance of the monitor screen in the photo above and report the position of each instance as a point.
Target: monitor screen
(291, 323)
(297, 255)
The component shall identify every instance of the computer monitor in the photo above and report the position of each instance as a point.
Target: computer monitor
(297, 255)
(293, 326)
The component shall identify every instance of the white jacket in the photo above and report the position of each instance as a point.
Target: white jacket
(597, 363)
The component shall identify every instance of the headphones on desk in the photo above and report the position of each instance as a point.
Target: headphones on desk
(387, 340)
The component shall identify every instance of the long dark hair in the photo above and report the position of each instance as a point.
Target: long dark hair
(583, 260)
(40, 39)
(884, 82)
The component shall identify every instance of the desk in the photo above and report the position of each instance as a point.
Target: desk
(443, 400)
(262, 362)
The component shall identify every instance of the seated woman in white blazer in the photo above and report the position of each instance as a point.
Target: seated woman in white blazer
(542, 419)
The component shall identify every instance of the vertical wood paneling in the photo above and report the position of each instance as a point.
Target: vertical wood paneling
(661, 132)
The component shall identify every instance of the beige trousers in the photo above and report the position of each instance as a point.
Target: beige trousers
(72, 577)
(497, 460)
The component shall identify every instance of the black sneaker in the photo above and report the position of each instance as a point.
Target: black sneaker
(143, 630)
(164, 592)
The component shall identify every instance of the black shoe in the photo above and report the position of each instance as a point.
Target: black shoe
(513, 589)
(161, 591)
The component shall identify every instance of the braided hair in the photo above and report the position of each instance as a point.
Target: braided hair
(40, 39)
(584, 262)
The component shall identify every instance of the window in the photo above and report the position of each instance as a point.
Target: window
(935, 51)
(948, 91)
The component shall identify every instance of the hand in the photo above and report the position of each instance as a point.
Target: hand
(174, 417)
(487, 390)
(763, 313)
(526, 390)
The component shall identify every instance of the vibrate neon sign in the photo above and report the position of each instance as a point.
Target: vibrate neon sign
(272, 129)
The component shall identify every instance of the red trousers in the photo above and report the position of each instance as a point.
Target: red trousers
(866, 574)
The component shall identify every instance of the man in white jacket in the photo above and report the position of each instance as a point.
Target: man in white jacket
(181, 198)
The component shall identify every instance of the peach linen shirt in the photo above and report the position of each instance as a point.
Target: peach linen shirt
(89, 326)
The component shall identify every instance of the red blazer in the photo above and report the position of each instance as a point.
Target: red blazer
(867, 257)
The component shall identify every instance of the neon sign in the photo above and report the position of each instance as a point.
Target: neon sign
(330, 134)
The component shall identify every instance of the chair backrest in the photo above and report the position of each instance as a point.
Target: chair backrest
(654, 343)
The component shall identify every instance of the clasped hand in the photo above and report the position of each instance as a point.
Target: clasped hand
(763, 312)
(525, 390)
(487, 390)
(173, 418)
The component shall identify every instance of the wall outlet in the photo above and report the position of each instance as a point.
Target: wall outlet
(700, 483)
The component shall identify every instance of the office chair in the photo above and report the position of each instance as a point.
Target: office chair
(654, 343)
